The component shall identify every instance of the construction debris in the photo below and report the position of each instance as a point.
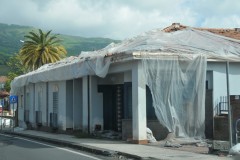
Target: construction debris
(150, 137)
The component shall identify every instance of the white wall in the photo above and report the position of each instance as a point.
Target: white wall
(128, 76)
(21, 107)
(116, 78)
(41, 87)
(61, 102)
(84, 114)
(30, 107)
(219, 80)
(121, 67)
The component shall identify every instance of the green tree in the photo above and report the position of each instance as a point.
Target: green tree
(16, 69)
(10, 76)
(41, 48)
(15, 64)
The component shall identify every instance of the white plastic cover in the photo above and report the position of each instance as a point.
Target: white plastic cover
(235, 150)
(69, 68)
(177, 86)
(188, 42)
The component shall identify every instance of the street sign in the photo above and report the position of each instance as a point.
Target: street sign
(13, 99)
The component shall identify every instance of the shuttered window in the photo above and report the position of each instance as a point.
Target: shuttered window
(55, 102)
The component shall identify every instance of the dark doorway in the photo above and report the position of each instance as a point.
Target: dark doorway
(209, 115)
(128, 102)
(112, 106)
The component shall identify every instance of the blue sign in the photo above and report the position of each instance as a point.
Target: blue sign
(13, 99)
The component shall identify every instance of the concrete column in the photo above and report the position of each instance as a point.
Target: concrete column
(85, 104)
(77, 103)
(139, 121)
(96, 104)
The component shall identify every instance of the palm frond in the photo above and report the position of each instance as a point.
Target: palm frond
(41, 48)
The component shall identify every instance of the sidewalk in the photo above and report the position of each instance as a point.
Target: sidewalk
(108, 147)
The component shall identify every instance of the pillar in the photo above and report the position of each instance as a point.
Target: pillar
(139, 121)
(85, 104)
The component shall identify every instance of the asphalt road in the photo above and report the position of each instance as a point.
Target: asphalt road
(17, 148)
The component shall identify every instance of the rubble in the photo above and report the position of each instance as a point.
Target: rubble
(150, 137)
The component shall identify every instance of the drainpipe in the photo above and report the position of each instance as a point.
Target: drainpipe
(73, 99)
(47, 103)
(88, 101)
(34, 103)
(229, 106)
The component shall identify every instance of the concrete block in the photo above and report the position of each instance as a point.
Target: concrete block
(221, 145)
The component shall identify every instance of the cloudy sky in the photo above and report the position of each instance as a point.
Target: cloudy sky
(118, 19)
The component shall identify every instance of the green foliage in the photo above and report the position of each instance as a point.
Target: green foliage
(15, 65)
(10, 76)
(10, 36)
(41, 48)
(15, 69)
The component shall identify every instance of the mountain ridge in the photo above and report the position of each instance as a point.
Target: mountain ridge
(11, 36)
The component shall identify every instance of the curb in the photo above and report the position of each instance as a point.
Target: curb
(90, 149)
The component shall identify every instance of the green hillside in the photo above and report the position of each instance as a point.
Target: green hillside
(10, 36)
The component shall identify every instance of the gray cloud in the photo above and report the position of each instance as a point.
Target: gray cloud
(117, 19)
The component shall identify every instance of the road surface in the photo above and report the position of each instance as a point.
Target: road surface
(17, 148)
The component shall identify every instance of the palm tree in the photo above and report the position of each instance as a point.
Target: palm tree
(41, 48)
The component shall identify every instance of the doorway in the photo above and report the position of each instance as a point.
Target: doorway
(112, 106)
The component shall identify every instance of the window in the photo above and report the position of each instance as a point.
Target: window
(55, 102)
(55, 99)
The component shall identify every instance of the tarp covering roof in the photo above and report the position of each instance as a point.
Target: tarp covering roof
(187, 41)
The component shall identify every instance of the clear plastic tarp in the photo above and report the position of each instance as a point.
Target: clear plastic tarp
(175, 68)
(177, 86)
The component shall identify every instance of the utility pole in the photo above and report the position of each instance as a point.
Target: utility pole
(229, 106)
(1, 115)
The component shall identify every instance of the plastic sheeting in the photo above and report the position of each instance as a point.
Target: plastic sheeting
(69, 68)
(177, 86)
(235, 150)
(188, 42)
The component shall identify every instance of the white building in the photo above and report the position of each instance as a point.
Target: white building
(159, 76)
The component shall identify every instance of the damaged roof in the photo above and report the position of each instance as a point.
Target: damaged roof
(227, 32)
(3, 79)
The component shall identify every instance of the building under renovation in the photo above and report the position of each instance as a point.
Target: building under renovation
(170, 80)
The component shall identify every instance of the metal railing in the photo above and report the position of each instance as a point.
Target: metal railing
(223, 108)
